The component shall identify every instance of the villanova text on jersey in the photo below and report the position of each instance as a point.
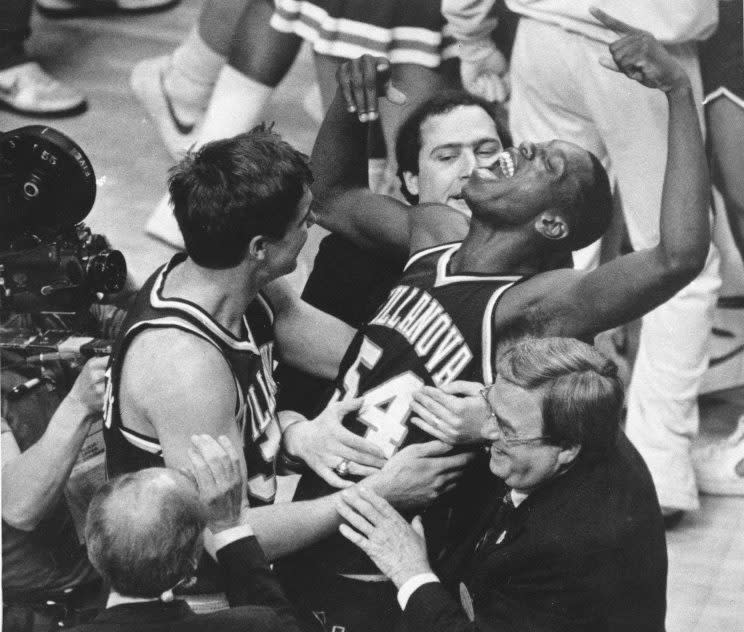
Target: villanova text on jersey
(422, 321)
(434, 328)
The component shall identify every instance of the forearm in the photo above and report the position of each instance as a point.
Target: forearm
(285, 528)
(311, 340)
(470, 20)
(33, 481)
(684, 223)
(339, 156)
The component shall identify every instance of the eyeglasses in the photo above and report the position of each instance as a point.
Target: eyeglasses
(507, 436)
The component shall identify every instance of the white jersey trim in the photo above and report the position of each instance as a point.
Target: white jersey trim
(427, 251)
(488, 349)
(444, 278)
(151, 446)
(723, 92)
(200, 315)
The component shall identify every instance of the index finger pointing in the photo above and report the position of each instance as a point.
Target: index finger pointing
(612, 23)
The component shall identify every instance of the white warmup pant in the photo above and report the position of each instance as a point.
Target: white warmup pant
(561, 91)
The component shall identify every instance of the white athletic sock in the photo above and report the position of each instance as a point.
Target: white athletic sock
(236, 105)
(191, 77)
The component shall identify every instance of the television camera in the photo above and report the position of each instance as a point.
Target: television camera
(53, 268)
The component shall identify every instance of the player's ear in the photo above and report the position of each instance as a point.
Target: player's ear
(257, 248)
(552, 225)
(567, 455)
(412, 182)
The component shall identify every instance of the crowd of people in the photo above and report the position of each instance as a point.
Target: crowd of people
(464, 456)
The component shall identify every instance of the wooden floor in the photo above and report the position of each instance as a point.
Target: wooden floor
(706, 551)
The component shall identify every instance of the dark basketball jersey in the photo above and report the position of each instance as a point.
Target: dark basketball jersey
(249, 358)
(349, 283)
(434, 328)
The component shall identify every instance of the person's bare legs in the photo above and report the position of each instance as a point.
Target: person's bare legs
(258, 60)
(218, 23)
(217, 82)
(726, 130)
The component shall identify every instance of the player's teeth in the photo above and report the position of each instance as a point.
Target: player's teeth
(506, 164)
(486, 174)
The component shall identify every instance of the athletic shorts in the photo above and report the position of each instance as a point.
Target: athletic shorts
(722, 56)
(404, 31)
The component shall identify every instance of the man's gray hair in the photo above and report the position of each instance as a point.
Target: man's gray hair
(583, 395)
(144, 531)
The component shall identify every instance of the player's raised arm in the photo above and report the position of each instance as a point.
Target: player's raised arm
(343, 202)
(632, 285)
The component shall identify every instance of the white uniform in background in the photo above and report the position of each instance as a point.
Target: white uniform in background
(559, 90)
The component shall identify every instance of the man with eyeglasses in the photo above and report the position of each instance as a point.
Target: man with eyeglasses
(571, 535)
(533, 203)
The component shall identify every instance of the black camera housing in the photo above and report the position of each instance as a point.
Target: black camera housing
(50, 261)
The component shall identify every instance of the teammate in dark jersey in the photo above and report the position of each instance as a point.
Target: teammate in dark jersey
(351, 282)
(250, 361)
(196, 353)
(434, 328)
(534, 202)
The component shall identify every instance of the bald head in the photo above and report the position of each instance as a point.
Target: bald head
(143, 531)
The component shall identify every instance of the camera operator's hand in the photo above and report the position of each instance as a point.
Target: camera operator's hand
(217, 469)
(362, 81)
(89, 387)
(30, 492)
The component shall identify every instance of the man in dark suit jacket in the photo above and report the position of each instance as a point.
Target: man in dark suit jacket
(571, 537)
(144, 532)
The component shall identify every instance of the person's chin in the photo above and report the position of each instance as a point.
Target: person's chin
(460, 205)
(499, 464)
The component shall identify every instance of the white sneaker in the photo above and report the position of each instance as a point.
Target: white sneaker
(719, 467)
(147, 82)
(28, 90)
(78, 8)
(162, 224)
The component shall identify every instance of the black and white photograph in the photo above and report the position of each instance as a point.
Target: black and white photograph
(372, 315)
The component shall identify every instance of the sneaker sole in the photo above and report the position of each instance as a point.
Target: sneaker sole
(73, 111)
(100, 9)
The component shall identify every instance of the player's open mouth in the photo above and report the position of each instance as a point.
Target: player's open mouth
(504, 162)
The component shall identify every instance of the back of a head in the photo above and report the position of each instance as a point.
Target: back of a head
(591, 212)
(231, 190)
(408, 142)
(582, 393)
(143, 531)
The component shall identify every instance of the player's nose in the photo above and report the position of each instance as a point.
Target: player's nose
(468, 163)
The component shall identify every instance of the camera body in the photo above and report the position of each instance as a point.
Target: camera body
(50, 261)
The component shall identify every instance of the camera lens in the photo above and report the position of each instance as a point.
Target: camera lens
(106, 271)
